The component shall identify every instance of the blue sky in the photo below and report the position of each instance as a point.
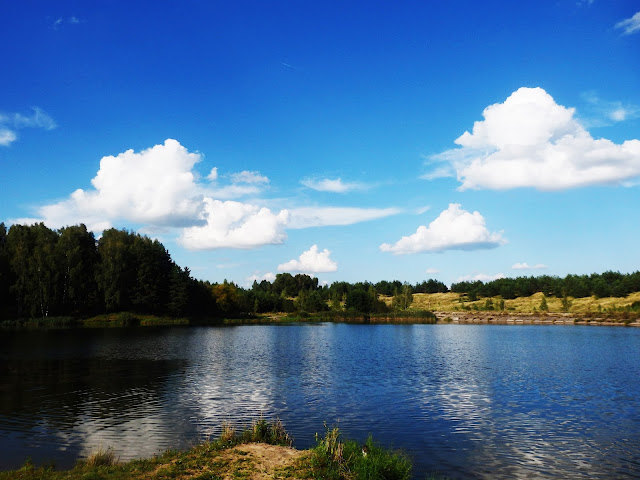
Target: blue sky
(348, 140)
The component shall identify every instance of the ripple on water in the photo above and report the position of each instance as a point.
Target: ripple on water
(468, 401)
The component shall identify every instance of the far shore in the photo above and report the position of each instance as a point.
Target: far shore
(404, 318)
(510, 318)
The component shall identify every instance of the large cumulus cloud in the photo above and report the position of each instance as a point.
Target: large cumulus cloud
(531, 141)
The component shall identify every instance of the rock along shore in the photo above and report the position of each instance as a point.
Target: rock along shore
(510, 318)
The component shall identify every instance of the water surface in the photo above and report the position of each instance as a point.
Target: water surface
(468, 401)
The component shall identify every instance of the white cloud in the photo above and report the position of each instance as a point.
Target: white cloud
(526, 266)
(158, 188)
(60, 21)
(248, 177)
(421, 210)
(329, 185)
(432, 271)
(603, 112)
(305, 217)
(213, 174)
(235, 225)
(483, 277)
(630, 25)
(234, 191)
(269, 277)
(7, 137)
(619, 114)
(155, 186)
(442, 171)
(454, 228)
(38, 119)
(10, 122)
(243, 183)
(530, 141)
(311, 261)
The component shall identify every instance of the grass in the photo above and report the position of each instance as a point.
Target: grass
(127, 319)
(336, 459)
(450, 302)
(231, 457)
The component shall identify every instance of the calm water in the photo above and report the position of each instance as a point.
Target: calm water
(464, 400)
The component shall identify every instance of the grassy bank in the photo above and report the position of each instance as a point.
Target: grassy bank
(455, 302)
(617, 309)
(261, 452)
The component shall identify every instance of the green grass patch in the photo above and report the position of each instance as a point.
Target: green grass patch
(334, 458)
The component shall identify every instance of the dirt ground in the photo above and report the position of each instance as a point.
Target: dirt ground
(258, 461)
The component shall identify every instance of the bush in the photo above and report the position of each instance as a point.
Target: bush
(335, 459)
(272, 433)
(102, 458)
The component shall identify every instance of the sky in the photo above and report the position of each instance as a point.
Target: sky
(347, 140)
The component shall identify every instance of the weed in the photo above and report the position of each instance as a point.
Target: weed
(335, 459)
(272, 433)
(102, 458)
(228, 433)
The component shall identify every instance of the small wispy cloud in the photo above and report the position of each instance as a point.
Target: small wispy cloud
(630, 25)
(7, 137)
(10, 123)
(248, 177)
(483, 277)
(526, 266)
(442, 171)
(306, 217)
(332, 185)
(60, 22)
(432, 271)
(604, 112)
(242, 184)
(269, 277)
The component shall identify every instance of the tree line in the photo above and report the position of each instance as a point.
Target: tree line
(67, 272)
(607, 284)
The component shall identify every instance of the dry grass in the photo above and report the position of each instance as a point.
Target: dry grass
(228, 432)
(102, 458)
(450, 302)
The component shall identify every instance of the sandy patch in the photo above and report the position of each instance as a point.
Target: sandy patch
(258, 461)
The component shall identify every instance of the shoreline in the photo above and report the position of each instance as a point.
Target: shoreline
(511, 318)
(410, 317)
(263, 452)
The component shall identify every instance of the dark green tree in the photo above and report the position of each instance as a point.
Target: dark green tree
(178, 291)
(77, 258)
(7, 303)
(153, 272)
(543, 304)
(32, 259)
(116, 274)
(359, 300)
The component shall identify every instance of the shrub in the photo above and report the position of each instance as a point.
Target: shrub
(272, 433)
(335, 459)
(102, 458)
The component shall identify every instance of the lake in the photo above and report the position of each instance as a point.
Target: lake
(467, 401)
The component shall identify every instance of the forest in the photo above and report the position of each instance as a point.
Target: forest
(68, 272)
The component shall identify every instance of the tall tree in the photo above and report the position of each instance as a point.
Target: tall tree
(77, 258)
(116, 275)
(32, 259)
(153, 271)
(6, 275)
(178, 291)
